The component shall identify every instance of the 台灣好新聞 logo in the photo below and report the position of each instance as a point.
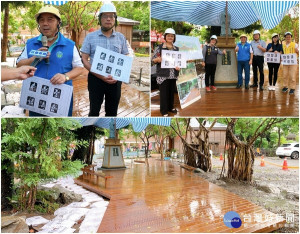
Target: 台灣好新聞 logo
(232, 219)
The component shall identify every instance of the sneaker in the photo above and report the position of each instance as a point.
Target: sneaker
(292, 91)
(254, 86)
(273, 88)
(270, 87)
(261, 88)
(284, 90)
(246, 86)
(174, 111)
(207, 89)
(238, 86)
(213, 87)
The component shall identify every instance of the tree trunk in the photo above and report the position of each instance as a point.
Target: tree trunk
(161, 149)
(240, 156)
(279, 136)
(6, 184)
(5, 34)
(91, 148)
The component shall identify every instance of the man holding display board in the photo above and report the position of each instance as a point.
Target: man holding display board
(63, 62)
(99, 85)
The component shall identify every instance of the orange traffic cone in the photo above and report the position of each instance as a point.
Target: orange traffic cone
(221, 157)
(285, 166)
(262, 161)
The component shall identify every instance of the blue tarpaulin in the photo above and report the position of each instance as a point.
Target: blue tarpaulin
(138, 124)
(243, 13)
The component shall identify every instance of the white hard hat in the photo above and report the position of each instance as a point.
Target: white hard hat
(256, 32)
(108, 7)
(213, 37)
(274, 35)
(170, 30)
(288, 33)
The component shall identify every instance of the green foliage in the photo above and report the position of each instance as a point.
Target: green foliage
(28, 19)
(141, 55)
(44, 204)
(288, 23)
(181, 28)
(37, 147)
(136, 10)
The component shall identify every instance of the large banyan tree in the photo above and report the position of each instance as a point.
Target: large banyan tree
(239, 150)
(196, 150)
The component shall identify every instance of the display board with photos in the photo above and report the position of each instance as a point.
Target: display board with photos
(40, 96)
(172, 59)
(271, 57)
(190, 45)
(188, 85)
(107, 62)
(289, 59)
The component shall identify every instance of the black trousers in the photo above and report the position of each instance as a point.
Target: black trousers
(273, 68)
(258, 62)
(210, 71)
(97, 90)
(166, 92)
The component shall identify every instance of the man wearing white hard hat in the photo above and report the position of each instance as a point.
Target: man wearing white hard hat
(63, 62)
(259, 48)
(244, 58)
(210, 53)
(104, 86)
(274, 47)
(166, 77)
(290, 71)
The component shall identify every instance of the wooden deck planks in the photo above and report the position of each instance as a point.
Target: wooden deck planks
(159, 196)
(133, 103)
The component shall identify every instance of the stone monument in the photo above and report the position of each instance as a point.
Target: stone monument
(113, 156)
(226, 73)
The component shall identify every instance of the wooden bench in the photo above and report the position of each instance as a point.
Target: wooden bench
(90, 173)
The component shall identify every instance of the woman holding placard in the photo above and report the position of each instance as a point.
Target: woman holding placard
(289, 71)
(166, 77)
(274, 47)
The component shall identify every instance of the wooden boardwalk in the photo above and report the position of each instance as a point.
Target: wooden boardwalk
(133, 103)
(238, 102)
(160, 196)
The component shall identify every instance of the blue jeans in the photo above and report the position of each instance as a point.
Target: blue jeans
(243, 65)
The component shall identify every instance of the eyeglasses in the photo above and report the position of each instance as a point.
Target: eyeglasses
(108, 16)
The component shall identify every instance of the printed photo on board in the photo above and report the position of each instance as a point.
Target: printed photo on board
(57, 93)
(45, 89)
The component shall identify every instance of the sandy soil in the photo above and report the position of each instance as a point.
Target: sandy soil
(273, 188)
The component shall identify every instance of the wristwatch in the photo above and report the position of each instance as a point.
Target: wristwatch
(67, 77)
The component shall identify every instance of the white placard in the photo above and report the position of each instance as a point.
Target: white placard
(190, 45)
(271, 57)
(39, 95)
(107, 62)
(289, 59)
(172, 59)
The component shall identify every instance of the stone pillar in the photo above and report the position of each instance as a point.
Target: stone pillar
(113, 156)
(226, 73)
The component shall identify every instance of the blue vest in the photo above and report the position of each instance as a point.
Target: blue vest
(60, 60)
(244, 52)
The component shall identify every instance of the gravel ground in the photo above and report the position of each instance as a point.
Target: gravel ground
(141, 62)
(273, 188)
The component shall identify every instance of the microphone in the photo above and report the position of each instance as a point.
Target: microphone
(45, 44)
(37, 60)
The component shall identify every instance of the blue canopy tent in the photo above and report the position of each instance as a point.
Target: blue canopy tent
(243, 13)
(138, 124)
(55, 3)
